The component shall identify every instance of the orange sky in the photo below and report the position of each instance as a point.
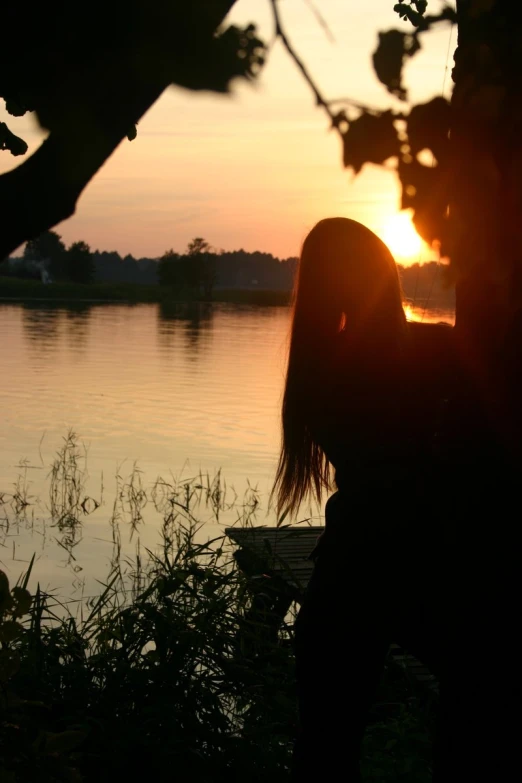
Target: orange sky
(257, 169)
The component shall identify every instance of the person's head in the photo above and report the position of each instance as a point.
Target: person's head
(347, 280)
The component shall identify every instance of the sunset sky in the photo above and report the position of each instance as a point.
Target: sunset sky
(256, 169)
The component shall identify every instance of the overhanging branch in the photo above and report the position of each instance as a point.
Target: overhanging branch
(45, 188)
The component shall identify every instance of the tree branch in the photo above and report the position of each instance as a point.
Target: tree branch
(336, 118)
(280, 33)
(45, 188)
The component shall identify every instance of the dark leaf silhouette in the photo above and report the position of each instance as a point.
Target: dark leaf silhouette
(370, 139)
(412, 12)
(428, 127)
(388, 59)
(14, 107)
(213, 63)
(8, 141)
(89, 77)
(424, 188)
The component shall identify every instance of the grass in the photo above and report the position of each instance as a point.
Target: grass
(164, 675)
(19, 289)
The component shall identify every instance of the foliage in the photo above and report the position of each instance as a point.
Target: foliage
(414, 12)
(177, 43)
(388, 59)
(424, 285)
(197, 246)
(9, 141)
(75, 264)
(370, 139)
(168, 269)
(166, 669)
(116, 59)
(60, 56)
(79, 263)
(154, 675)
(118, 67)
(193, 273)
(374, 137)
(203, 266)
(28, 751)
(49, 248)
(46, 245)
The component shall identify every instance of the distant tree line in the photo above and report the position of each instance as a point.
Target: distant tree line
(202, 268)
(197, 272)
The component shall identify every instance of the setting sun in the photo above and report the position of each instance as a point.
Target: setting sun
(401, 237)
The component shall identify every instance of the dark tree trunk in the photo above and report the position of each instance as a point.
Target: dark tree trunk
(485, 188)
(110, 96)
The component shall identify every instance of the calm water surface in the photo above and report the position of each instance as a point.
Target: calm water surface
(175, 390)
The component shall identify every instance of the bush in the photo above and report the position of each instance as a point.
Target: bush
(165, 675)
(153, 679)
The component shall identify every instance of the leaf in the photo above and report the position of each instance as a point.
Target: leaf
(370, 139)
(425, 190)
(408, 13)
(27, 575)
(8, 141)
(14, 107)
(22, 600)
(388, 59)
(211, 64)
(428, 127)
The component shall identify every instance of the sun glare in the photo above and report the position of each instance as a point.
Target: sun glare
(401, 237)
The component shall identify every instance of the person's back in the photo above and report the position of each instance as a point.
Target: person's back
(362, 395)
(414, 550)
(377, 415)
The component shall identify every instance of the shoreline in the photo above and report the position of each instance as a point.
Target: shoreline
(17, 290)
(13, 290)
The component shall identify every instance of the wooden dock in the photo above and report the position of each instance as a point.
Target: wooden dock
(283, 554)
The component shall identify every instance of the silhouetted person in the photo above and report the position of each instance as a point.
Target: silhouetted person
(376, 399)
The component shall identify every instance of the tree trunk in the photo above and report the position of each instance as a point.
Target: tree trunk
(110, 96)
(485, 189)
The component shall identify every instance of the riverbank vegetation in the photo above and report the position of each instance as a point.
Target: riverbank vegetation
(422, 291)
(20, 290)
(48, 270)
(164, 674)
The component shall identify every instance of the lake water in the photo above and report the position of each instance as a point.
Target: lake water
(171, 391)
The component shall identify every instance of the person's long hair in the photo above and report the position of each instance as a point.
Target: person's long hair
(347, 280)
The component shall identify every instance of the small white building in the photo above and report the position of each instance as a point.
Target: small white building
(36, 267)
